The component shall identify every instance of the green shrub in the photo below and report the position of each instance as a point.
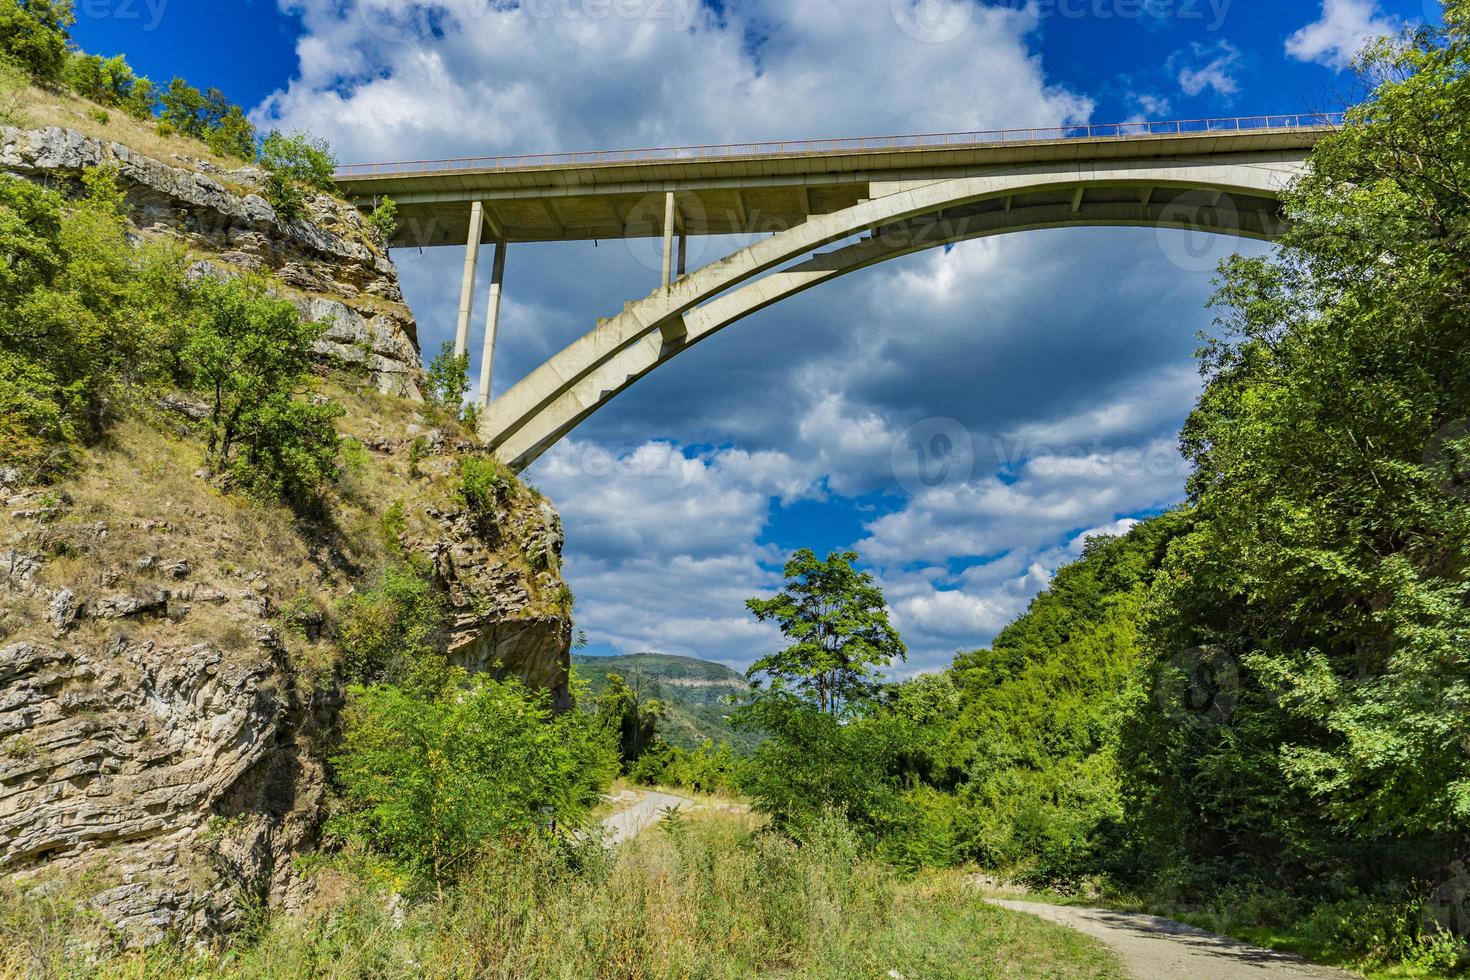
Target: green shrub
(87, 319)
(483, 484)
(433, 783)
(300, 159)
(393, 631)
(417, 451)
(384, 219)
(448, 381)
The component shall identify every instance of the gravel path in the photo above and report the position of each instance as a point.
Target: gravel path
(629, 823)
(1160, 949)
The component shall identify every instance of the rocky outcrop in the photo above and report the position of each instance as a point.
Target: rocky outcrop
(141, 750)
(331, 263)
(498, 626)
(168, 682)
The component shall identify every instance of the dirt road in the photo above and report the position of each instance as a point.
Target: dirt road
(647, 811)
(1159, 949)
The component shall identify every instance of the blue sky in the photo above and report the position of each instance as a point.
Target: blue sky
(1064, 358)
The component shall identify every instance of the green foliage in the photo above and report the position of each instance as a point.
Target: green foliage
(417, 451)
(1032, 742)
(384, 219)
(448, 381)
(484, 483)
(183, 108)
(208, 116)
(709, 768)
(631, 719)
(300, 159)
(812, 763)
(432, 783)
(838, 622)
(233, 135)
(394, 526)
(33, 34)
(249, 354)
(697, 695)
(1327, 570)
(392, 632)
(12, 84)
(86, 318)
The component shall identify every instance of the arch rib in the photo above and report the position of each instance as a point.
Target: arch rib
(589, 372)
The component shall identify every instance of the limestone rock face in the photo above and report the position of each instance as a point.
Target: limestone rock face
(331, 263)
(138, 747)
(499, 623)
(169, 688)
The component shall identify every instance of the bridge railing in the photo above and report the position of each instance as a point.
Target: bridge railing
(857, 144)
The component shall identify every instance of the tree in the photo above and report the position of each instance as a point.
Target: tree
(33, 34)
(300, 158)
(250, 354)
(1328, 571)
(448, 381)
(838, 621)
(232, 135)
(86, 318)
(631, 720)
(430, 782)
(183, 108)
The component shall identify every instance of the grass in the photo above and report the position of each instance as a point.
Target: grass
(710, 895)
(33, 107)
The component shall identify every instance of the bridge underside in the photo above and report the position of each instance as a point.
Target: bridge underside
(817, 225)
(520, 441)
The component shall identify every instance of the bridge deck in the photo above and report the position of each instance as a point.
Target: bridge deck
(742, 188)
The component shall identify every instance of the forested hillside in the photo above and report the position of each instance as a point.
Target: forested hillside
(694, 696)
(1256, 706)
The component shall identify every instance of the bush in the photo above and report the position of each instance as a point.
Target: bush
(391, 632)
(87, 320)
(300, 159)
(250, 354)
(434, 783)
(448, 381)
(483, 483)
(384, 219)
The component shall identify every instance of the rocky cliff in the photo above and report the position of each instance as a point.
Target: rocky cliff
(169, 674)
(330, 263)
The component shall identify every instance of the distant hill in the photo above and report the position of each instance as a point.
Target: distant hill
(694, 693)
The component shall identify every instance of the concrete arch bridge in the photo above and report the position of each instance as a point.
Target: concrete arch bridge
(816, 210)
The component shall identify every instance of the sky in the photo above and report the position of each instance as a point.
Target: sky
(1058, 364)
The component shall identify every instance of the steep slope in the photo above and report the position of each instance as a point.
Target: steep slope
(695, 694)
(169, 671)
(331, 263)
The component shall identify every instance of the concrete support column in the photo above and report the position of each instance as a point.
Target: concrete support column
(467, 284)
(492, 322)
(668, 238)
(683, 252)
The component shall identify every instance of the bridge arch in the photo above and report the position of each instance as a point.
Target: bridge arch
(1239, 197)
